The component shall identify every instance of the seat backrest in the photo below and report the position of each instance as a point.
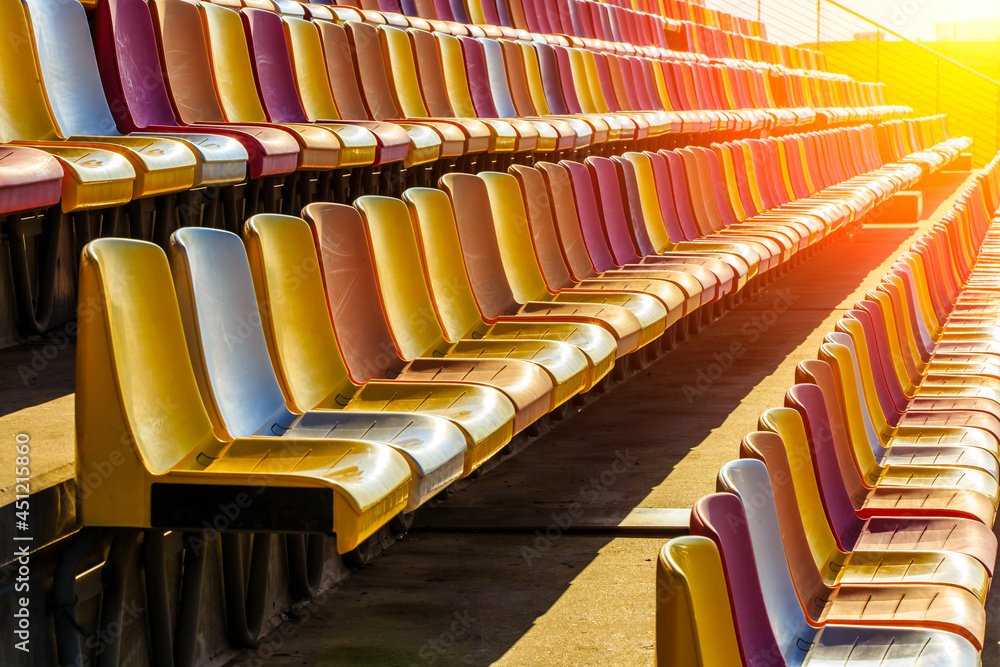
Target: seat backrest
(370, 68)
(533, 79)
(223, 325)
(644, 193)
(403, 290)
(232, 66)
(428, 59)
(137, 399)
(789, 425)
(544, 234)
(480, 248)
(24, 113)
(402, 71)
(69, 70)
(497, 72)
(721, 518)
(694, 621)
(612, 209)
(309, 67)
(272, 66)
(748, 480)
(520, 89)
(441, 252)
(126, 48)
(589, 213)
(514, 235)
(562, 203)
(187, 67)
(340, 70)
(881, 402)
(478, 77)
(345, 264)
(455, 75)
(296, 320)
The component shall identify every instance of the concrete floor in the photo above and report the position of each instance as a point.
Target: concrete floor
(556, 597)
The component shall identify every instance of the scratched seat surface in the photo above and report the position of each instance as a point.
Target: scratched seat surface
(238, 382)
(135, 351)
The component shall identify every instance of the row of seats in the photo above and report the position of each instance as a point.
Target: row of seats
(695, 11)
(249, 95)
(590, 20)
(857, 526)
(307, 365)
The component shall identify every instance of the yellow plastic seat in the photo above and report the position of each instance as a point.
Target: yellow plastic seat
(458, 309)
(410, 309)
(694, 620)
(510, 218)
(138, 402)
(494, 287)
(319, 146)
(307, 357)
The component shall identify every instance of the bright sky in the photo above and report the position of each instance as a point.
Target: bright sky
(915, 19)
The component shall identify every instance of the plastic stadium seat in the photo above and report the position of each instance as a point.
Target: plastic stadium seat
(159, 166)
(895, 489)
(276, 84)
(695, 621)
(755, 536)
(649, 211)
(406, 301)
(233, 65)
(312, 76)
(76, 96)
(216, 295)
(852, 533)
(373, 73)
(363, 98)
(369, 343)
(527, 293)
(176, 469)
(699, 285)
(820, 576)
(516, 136)
(530, 281)
(585, 237)
(30, 180)
(138, 92)
(405, 82)
(306, 352)
(850, 420)
(458, 307)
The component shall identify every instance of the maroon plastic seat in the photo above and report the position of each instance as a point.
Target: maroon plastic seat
(126, 47)
(276, 86)
(30, 180)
